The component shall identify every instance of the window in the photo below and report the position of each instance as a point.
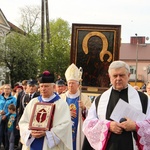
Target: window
(133, 69)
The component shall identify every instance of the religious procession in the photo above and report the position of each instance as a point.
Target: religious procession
(51, 115)
(99, 100)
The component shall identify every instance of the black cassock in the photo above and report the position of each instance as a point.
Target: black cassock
(122, 141)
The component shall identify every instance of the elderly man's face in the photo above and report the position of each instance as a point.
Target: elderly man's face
(46, 89)
(73, 86)
(119, 78)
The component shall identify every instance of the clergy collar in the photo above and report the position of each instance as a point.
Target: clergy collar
(119, 90)
(49, 99)
(73, 95)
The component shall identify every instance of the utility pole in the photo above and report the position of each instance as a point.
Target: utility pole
(47, 22)
(44, 12)
(42, 29)
(137, 48)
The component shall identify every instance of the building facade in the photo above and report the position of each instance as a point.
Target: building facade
(136, 54)
(4, 30)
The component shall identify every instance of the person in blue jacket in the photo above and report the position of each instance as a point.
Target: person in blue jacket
(5, 100)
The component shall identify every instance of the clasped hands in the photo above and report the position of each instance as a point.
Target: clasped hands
(117, 128)
(37, 134)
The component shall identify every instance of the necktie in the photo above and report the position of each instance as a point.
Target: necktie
(30, 96)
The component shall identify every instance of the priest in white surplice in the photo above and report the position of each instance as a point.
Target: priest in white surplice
(106, 134)
(60, 135)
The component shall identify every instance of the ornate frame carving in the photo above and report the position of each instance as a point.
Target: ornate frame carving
(42, 116)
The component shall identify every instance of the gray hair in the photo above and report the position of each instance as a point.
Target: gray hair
(119, 64)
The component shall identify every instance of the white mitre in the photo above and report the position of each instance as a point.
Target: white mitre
(73, 73)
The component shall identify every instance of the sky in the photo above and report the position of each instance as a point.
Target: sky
(132, 15)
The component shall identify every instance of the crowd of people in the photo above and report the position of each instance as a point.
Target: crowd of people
(77, 123)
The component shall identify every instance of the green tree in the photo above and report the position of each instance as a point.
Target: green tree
(57, 53)
(22, 53)
(20, 56)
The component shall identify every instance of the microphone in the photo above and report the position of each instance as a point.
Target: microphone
(122, 120)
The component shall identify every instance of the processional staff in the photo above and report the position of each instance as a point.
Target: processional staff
(80, 135)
